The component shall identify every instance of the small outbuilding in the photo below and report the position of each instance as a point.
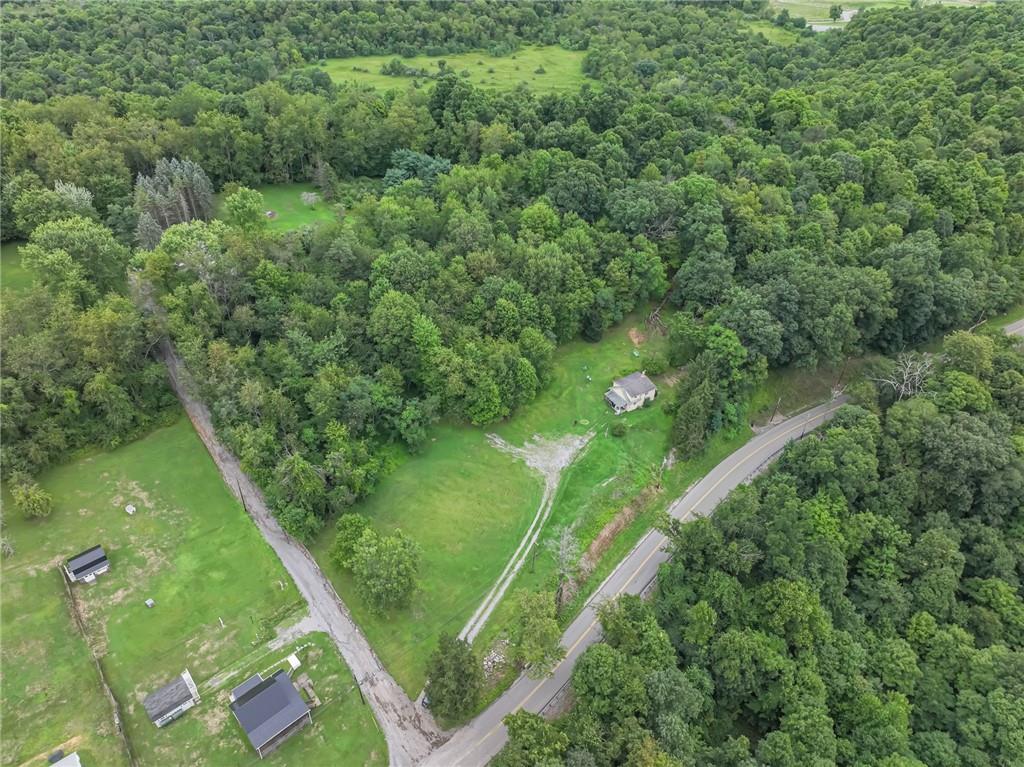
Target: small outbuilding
(631, 392)
(270, 710)
(87, 565)
(172, 700)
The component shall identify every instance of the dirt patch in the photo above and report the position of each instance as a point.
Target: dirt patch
(547, 457)
(637, 336)
(212, 716)
(672, 377)
(67, 747)
(608, 533)
(288, 634)
(132, 492)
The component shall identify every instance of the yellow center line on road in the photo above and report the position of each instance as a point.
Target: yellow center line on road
(643, 564)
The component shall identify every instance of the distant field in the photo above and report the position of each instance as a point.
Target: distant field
(817, 10)
(563, 69)
(468, 504)
(290, 212)
(773, 33)
(13, 276)
(189, 547)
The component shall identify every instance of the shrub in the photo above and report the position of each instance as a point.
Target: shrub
(350, 530)
(30, 499)
(619, 429)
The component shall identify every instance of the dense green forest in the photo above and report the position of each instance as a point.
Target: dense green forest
(794, 205)
(853, 191)
(859, 605)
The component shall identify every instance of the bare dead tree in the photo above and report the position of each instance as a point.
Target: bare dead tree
(566, 550)
(908, 375)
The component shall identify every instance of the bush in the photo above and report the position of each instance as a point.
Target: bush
(619, 429)
(30, 499)
(454, 678)
(385, 569)
(350, 530)
(540, 71)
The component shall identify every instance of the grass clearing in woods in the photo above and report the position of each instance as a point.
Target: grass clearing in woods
(191, 548)
(563, 69)
(13, 275)
(290, 212)
(468, 505)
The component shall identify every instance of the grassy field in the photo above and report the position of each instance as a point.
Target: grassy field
(289, 209)
(468, 504)
(13, 276)
(189, 547)
(343, 731)
(773, 33)
(562, 69)
(817, 10)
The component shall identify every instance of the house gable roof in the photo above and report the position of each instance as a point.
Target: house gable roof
(87, 562)
(167, 698)
(267, 708)
(636, 384)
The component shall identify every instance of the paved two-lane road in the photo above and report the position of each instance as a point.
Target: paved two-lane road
(476, 743)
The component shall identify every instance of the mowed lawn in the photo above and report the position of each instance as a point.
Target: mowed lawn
(468, 505)
(562, 69)
(343, 731)
(290, 212)
(13, 276)
(191, 548)
(773, 33)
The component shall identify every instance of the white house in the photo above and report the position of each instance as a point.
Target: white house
(631, 392)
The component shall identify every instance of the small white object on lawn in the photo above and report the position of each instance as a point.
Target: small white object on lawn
(150, 603)
(293, 661)
(130, 508)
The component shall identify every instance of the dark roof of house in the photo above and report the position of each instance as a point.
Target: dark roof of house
(167, 698)
(613, 397)
(88, 561)
(267, 708)
(636, 384)
(245, 686)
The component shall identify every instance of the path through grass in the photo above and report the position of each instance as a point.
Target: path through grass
(562, 69)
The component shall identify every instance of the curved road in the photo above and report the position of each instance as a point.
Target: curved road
(476, 744)
(1015, 328)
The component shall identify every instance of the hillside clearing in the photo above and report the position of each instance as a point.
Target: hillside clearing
(562, 69)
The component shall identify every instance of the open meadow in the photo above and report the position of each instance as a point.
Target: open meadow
(13, 276)
(219, 594)
(542, 68)
(289, 211)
